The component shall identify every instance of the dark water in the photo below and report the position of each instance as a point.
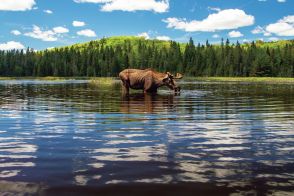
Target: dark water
(213, 139)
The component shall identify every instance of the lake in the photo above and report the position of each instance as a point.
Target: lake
(215, 138)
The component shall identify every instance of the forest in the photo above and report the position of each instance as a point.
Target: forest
(108, 56)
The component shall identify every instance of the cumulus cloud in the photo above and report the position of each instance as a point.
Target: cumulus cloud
(234, 34)
(92, 1)
(283, 27)
(215, 36)
(273, 39)
(46, 35)
(130, 5)
(15, 32)
(260, 30)
(48, 11)
(11, 45)
(280, 1)
(76, 23)
(163, 38)
(38, 33)
(144, 34)
(60, 30)
(267, 33)
(16, 5)
(87, 33)
(246, 40)
(214, 9)
(224, 19)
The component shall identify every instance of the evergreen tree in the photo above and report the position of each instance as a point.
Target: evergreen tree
(107, 57)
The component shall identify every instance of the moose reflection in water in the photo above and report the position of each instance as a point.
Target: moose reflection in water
(146, 103)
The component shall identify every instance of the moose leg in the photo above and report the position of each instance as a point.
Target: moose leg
(151, 90)
(147, 85)
(125, 87)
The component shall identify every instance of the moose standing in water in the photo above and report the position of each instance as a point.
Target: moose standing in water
(148, 80)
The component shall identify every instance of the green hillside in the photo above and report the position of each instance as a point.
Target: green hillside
(134, 41)
(272, 44)
(121, 40)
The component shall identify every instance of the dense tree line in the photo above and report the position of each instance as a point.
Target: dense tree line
(99, 58)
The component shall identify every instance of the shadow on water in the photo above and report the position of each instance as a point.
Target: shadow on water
(213, 138)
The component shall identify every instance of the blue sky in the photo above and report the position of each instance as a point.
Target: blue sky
(42, 24)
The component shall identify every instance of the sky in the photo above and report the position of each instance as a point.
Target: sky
(41, 24)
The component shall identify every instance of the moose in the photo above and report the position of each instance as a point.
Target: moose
(148, 80)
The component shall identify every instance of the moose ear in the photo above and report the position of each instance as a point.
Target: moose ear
(178, 76)
(165, 78)
(170, 75)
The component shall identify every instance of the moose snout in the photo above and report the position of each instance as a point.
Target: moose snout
(177, 89)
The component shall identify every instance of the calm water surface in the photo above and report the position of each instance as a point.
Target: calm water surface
(213, 139)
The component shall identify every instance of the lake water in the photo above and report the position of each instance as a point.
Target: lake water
(212, 139)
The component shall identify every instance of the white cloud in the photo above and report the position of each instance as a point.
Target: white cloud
(144, 34)
(11, 45)
(288, 19)
(163, 38)
(260, 30)
(215, 36)
(273, 39)
(76, 23)
(87, 33)
(60, 30)
(214, 9)
(15, 32)
(235, 34)
(16, 5)
(92, 1)
(130, 5)
(46, 35)
(283, 27)
(225, 19)
(37, 33)
(280, 1)
(48, 11)
(267, 34)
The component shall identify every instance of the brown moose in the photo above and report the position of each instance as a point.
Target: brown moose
(148, 80)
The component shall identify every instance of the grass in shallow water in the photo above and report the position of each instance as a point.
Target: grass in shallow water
(103, 81)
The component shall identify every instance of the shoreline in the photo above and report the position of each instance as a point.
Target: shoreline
(279, 80)
(272, 80)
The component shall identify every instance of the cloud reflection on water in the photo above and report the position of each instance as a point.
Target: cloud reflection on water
(91, 137)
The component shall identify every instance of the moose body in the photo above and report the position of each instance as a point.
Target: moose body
(148, 80)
